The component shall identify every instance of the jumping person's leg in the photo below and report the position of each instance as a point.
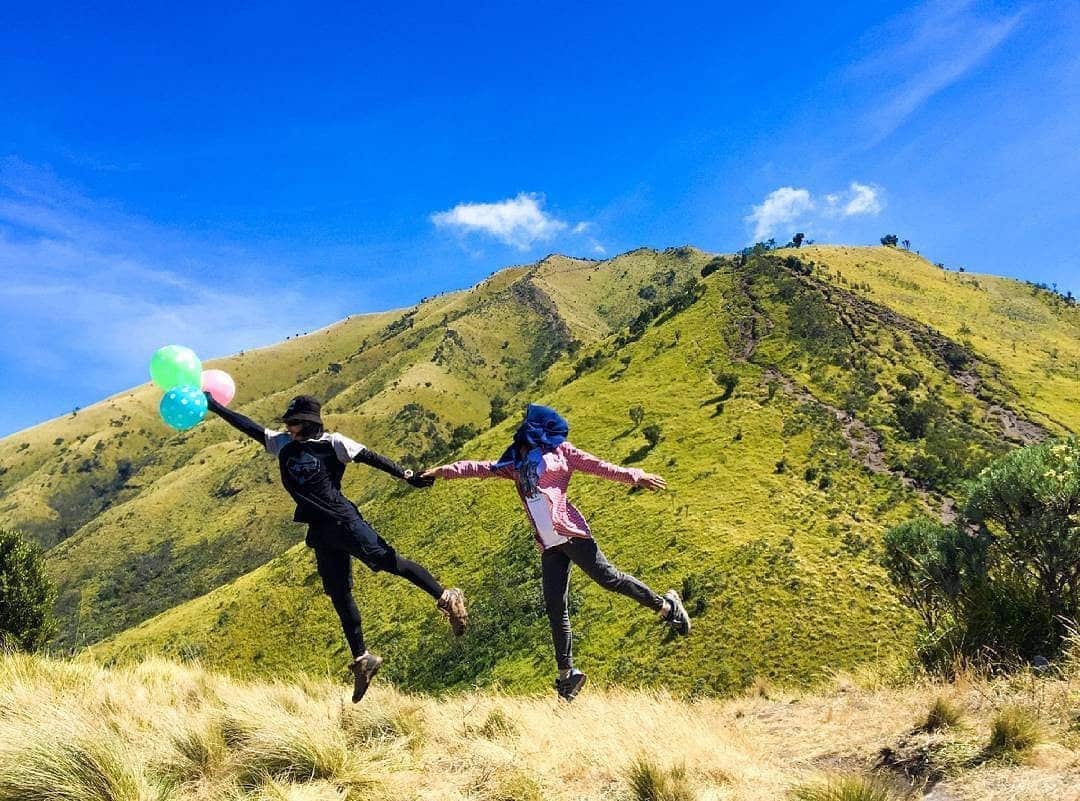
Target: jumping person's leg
(555, 572)
(363, 542)
(587, 555)
(416, 574)
(335, 570)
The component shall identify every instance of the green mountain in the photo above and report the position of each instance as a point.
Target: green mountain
(804, 401)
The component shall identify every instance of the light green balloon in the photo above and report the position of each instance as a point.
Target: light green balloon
(175, 365)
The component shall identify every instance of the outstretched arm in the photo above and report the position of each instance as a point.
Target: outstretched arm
(388, 465)
(587, 463)
(238, 421)
(350, 451)
(468, 469)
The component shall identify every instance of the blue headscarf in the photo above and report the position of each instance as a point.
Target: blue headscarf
(543, 431)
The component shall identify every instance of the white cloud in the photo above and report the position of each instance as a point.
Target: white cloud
(787, 209)
(864, 200)
(519, 222)
(784, 206)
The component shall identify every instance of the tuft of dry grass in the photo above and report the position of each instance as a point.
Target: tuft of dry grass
(846, 788)
(650, 782)
(944, 714)
(1014, 731)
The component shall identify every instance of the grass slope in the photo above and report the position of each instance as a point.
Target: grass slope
(176, 732)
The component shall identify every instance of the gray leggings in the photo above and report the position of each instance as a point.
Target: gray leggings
(555, 563)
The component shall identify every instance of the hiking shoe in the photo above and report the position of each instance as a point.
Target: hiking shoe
(677, 617)
(364, 669)
(452, 604)
(569, 687)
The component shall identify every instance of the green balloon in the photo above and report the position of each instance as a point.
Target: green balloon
(175, 365)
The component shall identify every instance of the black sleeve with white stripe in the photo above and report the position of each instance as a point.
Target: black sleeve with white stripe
(238, 421)
(380, 462)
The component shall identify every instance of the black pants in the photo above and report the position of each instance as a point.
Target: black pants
(335, 546)
(555, 564)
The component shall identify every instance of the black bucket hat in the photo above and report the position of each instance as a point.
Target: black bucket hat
(303, 408)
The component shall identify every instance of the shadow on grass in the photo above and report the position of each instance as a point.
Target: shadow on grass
(639, 454)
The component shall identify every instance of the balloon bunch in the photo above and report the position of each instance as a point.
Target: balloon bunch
(178, 371)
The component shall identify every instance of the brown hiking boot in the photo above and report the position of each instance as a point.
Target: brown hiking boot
(452, 604)
(364, 669)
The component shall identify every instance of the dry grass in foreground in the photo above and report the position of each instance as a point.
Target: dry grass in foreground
(160, 730)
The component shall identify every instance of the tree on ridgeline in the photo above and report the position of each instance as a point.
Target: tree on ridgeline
(890, 240)
(26, 594)
(1004, 580)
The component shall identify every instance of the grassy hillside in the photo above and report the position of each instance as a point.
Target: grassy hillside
(802, 410)
(171, 732)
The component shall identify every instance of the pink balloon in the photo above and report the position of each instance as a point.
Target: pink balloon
(220, 385)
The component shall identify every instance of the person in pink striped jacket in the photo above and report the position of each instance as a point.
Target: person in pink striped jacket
(541, 462)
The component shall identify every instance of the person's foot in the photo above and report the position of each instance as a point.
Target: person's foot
(452, 604)
(364, 668)
(570, 686)
(677, 617)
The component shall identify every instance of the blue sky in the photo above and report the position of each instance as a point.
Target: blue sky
(226, 179)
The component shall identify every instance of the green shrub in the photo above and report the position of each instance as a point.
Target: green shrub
(498, 411)
(1004, 579)
(970, 601)
(26, 594)
(1030, 499)
(653, 433)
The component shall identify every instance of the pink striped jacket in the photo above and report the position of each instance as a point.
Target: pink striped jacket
(559, 465)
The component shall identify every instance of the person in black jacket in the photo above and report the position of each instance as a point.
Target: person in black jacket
(312, 462)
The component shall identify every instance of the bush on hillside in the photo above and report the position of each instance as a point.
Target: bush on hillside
(26, 594)
(1030, 502)
(1003, 581)
(653, 433)
(498, 411)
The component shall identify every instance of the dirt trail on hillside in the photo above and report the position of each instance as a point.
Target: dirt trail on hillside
(965, 372)
(863, 441)
(865, 445)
